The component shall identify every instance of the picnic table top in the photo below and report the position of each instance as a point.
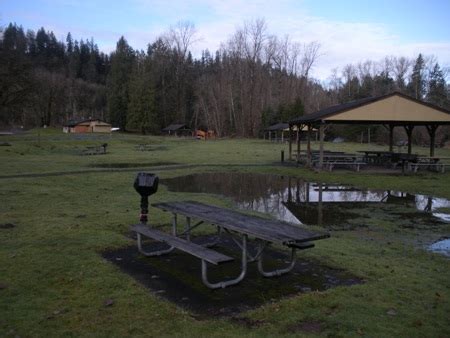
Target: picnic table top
(338, 156)
(376, 152)
(257, 227)
(433, 157)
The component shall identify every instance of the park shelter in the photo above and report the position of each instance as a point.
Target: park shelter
(391, 110)
(87, 126)
(277, 131)
(177, 129)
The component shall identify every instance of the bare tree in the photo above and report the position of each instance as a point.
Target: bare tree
(401, 67)
(181, 36)
(309, 57)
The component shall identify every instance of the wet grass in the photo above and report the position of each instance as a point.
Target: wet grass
(54, 282)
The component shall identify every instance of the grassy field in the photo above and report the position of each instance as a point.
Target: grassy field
(59, 210)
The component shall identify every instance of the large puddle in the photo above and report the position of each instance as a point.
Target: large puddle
(334, 206)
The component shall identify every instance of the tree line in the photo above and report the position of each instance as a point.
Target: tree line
(253, 80)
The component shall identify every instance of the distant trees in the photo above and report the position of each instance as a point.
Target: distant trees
(254, 79)
(421, 78)
(45, 81)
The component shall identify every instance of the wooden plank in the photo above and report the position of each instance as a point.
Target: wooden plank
(302, 246)
(196, 250)
(269, 230)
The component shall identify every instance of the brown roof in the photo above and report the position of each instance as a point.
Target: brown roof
(327, 114)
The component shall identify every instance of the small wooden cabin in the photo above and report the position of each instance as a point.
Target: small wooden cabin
(87, 126)
(177, 130)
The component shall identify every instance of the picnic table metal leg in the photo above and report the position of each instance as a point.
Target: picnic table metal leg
(277, 272)
(151, 253)
(158, 252)
(216, 240)
(188, 228)
(174, 224)
(238, 279)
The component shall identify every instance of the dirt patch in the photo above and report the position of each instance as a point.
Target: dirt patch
(177, 278)
(7, 226)
(307, 326)
(247, 322)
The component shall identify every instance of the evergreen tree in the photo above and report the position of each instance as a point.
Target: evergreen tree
(437, 92)
(75, 62)
(31, 42)
(69, 42)
(142, 114)
(416, 86)
(118, 83)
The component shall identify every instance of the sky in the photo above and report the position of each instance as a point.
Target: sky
(347, 31)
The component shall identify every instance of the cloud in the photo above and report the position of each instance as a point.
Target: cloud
(216, 20)
(341, 42)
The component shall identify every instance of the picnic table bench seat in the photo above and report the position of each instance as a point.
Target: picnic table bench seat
(195, 250)
(331, 164)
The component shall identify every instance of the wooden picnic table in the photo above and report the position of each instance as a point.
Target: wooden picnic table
(95, 150)
(239, 226)
(377, 156)
(429, 162)
(343, 159)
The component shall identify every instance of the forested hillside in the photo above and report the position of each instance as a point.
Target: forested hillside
(255, 79)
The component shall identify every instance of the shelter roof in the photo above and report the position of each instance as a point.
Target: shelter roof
(393, 108)
(73, 123)
(278, 126)
(174, 127)
(285, 127)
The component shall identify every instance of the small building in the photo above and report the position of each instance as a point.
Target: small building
(204, 135)
(87, 126)
(276, 132)
(177, 129)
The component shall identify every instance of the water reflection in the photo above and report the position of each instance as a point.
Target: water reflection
(442, 247)
(298, 201)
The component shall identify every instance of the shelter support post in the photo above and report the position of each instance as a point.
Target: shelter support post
(391, 137)
(298, 142)
(432, 132)
(321, 137)
(320, 206)
(290, 142)
(409, 129)
(308, 145)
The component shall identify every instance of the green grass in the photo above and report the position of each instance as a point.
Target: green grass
(55, 283)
